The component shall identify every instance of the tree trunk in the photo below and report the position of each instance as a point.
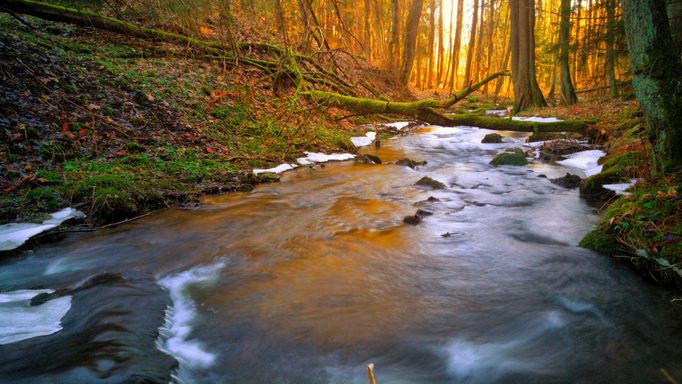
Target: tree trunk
(432, 41)
(568, 96)
(522, 41)
(491, 29)
(456, 46)
(657, 78)
(472, 45)
(411, 30)
(393, 50)
(479, 46)
(611, 46)
(368, 38)
(441, 49)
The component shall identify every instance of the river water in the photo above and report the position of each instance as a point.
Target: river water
(310, 279)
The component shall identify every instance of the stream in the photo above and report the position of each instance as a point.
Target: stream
(310, 279)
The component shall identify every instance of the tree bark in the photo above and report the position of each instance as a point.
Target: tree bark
(568, 96)
(456, 46)
(441, 49)
(522, 41)
(472, 45)
(432, 41)
(657, 78)
(611, 46)
(411, 30)
(393, 50)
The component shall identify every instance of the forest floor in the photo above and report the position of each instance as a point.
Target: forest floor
(117, 127)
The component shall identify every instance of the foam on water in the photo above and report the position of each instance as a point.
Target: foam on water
(399, 125)
(20, 321)
(363, 141)
(585, 161)
(175, 335)
(278, 169)
(317, 157)
(13, 235)
(488, 361)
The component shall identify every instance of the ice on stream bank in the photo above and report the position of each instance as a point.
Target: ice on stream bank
(175, 335)
(537, 119)
(363, 141)
(496, 112)
(620, 188)
(13, 235)
(20, 321)
(399, 125)
(278, 169)
(585, 161)
(318, 157)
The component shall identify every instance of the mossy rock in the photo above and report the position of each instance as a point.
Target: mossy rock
(592, 188)
(492, 138)
(512, 156)
(602, 242)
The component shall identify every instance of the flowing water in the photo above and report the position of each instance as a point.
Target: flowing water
(310, 279)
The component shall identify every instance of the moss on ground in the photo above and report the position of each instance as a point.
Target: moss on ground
(645, 226)
(133, 126)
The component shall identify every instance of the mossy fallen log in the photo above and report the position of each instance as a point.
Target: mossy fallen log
(507, 124)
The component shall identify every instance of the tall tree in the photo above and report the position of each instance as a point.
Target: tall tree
(456, 46)
(611, 46)
(522, 41)
(393, 49)
(657, 78)
(431, 43)
(472, 45)
(568, 96)
(441, 49)
(411, 29)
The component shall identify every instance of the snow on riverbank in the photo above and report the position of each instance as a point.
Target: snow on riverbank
(537, 119)
(585, 161)
(20, 321)
(13, 235)
(318, 157)
(363, 141)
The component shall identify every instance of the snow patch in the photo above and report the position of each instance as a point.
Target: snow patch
(363, 141)
(20, 321)
(584, 160)
(13, 235)
(175, 334)
(278, 169)
(537, 119)
(399, 125)
(317, 157)
(620, 188)
(496, 112)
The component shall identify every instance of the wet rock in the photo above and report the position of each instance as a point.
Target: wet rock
(267, 177)
(103, 278)
(551, 157)
(431, 199)
(451, 234)
(492, 138)
(569, 181)
(511, 156)
(410, 163)
(542, 176)
(429, 182)
(45, 297)
(412, 220)
(367, 159)
(423, 213)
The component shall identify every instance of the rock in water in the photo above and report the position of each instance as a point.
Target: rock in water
(429, 182)
(511, 156)
(492, 138)
(367, 159)
(410, 163)
(568, 181)
(412, 220)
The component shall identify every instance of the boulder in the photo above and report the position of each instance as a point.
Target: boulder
(492, 138)
(511, 156)
(429, 182)
(410, 163)
(367, 159)
(569, 181)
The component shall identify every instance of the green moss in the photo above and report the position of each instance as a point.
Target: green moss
(602, 242)
(512, 156)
